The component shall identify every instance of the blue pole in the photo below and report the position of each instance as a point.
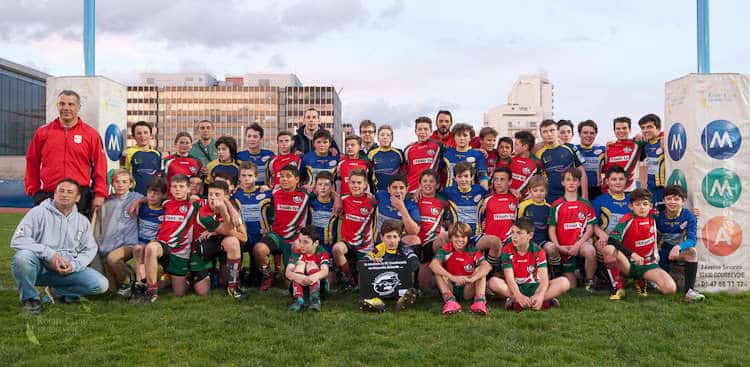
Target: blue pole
(704, 52)
(89, 28)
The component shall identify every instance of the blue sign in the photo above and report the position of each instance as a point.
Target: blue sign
(113, 142)
(676, 141)
(721, 139)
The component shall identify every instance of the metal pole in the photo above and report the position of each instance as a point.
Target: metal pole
(89, 28)
(704, 52)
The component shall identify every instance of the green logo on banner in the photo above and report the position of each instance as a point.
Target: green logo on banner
(677, 178)
(721, 187)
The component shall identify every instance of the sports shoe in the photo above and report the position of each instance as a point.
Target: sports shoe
(33, 306)
(347, 288)
(314, 304)
(297, 306)
(619, 294)
(590, 286)
(125, 291)
(640, 288)
(509, 304)
(266, 283)
(374, 304)
(451, 307)
(406, 300)
(693, 296)
(479, 308)
(149, 297)
(554, 303)
(236, 293)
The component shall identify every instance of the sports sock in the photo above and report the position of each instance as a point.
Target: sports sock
(448, 296)
(690, 270)
(265, 270)
(233, 272)
(153, 288)
(298, 290)
(641, 283)
(614, 275)
(277, 262)
(347, 271)
(480, 299)
(315, 291)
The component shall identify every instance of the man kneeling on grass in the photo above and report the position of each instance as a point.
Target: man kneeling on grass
(461, 272)
(307, 268)
(526, 284)
(54, 245)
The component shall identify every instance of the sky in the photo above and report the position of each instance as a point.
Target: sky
(394, 60)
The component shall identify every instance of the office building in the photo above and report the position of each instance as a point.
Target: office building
(529, 102)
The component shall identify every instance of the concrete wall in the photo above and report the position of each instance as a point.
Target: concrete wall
(12, 167)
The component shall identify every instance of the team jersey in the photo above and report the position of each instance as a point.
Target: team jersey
(638, 234)
(320, 257)
(491, 159)
(465, 205)
(433, 211)
(386, 211)
(312, 163)
(626, 154)
(461, 262)
(525, 266)
(356, 222)
(454, 156)
(593, 159)
(346, 166)
(497, 213)
(539, 214)
(678, 231)
(289, 213)
(260, 160)
(255, 209)
(555, 160)
(275, 164)
(610, 209)
(149, 220)
(503, 162)
(231, 168)
(143, 163)
(387, 162)
(419, 157)
(206, 221)
(522, 169)
(570, 219)
(176, 230)
(321, 212)
(175, 164)
(655, 162)
(400, 253)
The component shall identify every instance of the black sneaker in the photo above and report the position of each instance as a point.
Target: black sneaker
(125, 291)
(33, 306)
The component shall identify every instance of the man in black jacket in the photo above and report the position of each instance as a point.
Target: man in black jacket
(303, 141)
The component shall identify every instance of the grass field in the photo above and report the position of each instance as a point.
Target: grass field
(587, 330)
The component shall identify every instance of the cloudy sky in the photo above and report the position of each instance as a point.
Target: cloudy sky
(393, 60)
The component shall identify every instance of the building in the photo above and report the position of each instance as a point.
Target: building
(177, 79)
(529, 102)
(231, 105)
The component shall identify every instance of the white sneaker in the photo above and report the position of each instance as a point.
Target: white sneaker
(693, 296)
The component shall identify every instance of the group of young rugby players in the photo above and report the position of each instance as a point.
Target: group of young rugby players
(469, 214)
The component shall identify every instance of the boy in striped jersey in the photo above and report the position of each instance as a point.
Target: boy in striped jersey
(434, 212)
(537, 210)
(142, 160)
(351, 161)
(285, 156)
(593, 156)
(423, 154)
(610, 207)
(523, 165)
(462, 134)
(652, 175)
(496, 215)
(150, 215)
(387, 161)
(625, 152)
(254, 153)
(318, 160)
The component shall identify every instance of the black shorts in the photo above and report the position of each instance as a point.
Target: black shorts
(209, 248)
(424, 252)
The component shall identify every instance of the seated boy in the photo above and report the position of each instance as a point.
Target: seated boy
(150, 216)
(461, 272)
(307, 268)
(526, 284)
(633, 242)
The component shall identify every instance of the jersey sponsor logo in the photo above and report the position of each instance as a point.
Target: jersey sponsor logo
(646, 242)
(512, 206)
(386, 283)
(477, 197)
(581, 216)
(174, 218)
(620, 158)
(434, 211)
(260, 196)
(469, 267)
(525, 170)
(431, 151)
(113, 142)
(676, 141)
(355, 218)
(265, 158)
(422, 161)
(332, 163)
(721, 187)
(505, 216)
(571, 226)
(364, 211)
(470, 159)
(288, 208)
(721, 139)
(183, 208)
(598, 151)
(297, 199)
(659, 151)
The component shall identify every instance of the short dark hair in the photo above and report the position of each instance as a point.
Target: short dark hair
(225, 176)
(183, 134)
(615, 169)
(573, 171)
(487, 130)
(68, 92)
(353, 137)
(358, 172)
(285, 132)
(524, 224)
(429, 172)
(221, 185)
(589, 123)
(538, 180)
(247, 165)
(422, 120)
(567, 123)
(462, 167)
(365, 123)
(310, 231)
(503, 169)
(255, 126)
(526, 138)
(322, 134)
(459, 229)
(399, 177)
(547, 122)
(291, 169)
(141, 123)
(621, 119)
(462, 128)
(675, 190)
(313, 109)
(158, 184)
(70, 181)
(444, 112)
(506, 140)
(641, 194)
(231, 144)
(324, 175)
(179, 178)
(391, 225)
(651, 117)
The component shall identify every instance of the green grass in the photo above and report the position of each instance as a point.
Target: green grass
(587, 330)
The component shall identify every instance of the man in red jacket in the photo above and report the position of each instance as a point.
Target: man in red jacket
(67, 147)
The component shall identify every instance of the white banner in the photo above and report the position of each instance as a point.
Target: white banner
(707, 120)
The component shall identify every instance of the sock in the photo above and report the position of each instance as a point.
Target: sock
(545, 305)
(480, 299)
(315, 292)
(153, 288)
(448, 296)
(690, 270)
(347, 273)
(494, 261)
(298, 291)
(233, 272)
(614, 275)
(277, 262)
(265, 270)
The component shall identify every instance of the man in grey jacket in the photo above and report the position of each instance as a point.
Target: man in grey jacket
(54, 245)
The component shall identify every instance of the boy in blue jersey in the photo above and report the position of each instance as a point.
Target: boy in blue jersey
(465, 198)
(462, 134)
(226, 148)
(610, 208)
(254, 153)
(318, 160)
(321, 210)
(653, 172)
(537, 209)
(677, 228)
(387, 161)
(394, 204)
(556, 158)
(593, 156)
(142, 160)
(253, 204)
(149, 219)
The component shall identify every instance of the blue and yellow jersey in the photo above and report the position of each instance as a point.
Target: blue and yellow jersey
(321, 213)
(143, 163)
(385, 211)
(465, 204)
(260, 159)
(610, 209)
(679, 230)
(230, 168)
(555, 160)
(387, 162)
(539, 214)
(255, 209)
(149, 220)
(593, 160)
(454, 156)
(655, 162)
(312, 163)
